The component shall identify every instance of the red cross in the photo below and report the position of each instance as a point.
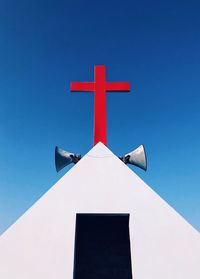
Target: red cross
(100, 86)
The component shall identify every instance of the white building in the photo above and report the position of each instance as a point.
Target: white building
(40, 245)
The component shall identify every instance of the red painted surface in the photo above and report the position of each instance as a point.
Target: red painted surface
(100, 87)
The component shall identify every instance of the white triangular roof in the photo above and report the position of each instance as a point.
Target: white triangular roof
(41, 243)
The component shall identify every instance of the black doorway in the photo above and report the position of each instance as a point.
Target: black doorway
(102, 247)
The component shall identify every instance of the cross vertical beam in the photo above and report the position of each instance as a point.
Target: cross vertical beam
(100, 105)
(100, 87)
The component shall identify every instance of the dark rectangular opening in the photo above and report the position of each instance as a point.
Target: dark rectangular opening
(102, 247)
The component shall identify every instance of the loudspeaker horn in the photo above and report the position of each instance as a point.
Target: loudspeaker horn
(136, 157)
(64, 158)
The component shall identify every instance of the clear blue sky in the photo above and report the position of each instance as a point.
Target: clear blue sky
(46, 44)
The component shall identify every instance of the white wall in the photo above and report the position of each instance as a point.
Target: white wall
(41, 243)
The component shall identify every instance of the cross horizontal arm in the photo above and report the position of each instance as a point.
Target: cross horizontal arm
(82, 86)
(118, 86)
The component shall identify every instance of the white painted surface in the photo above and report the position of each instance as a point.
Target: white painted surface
(40, 245)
